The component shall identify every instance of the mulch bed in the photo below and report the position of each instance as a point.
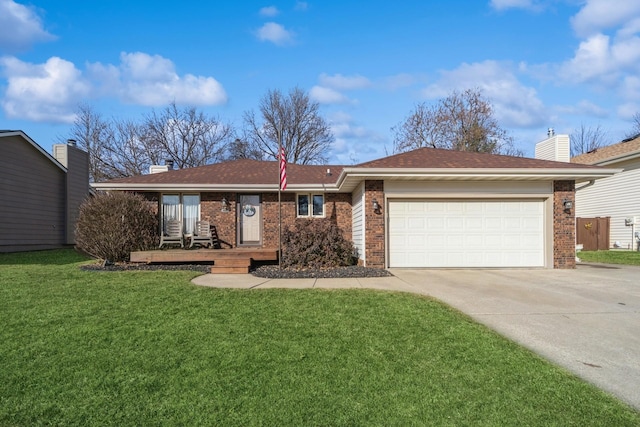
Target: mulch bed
(266, 271)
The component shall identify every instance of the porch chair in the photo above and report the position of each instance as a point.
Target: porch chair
(172, 233)
(202, 235)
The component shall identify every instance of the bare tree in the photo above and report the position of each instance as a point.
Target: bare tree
(241, 149)
(635, 129)
(463, 121)
(186, 136)
(91, 132)
(587, 138)
(120, 148)
(293, 120)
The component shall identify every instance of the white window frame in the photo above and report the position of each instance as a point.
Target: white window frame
(187, 228)
(310, 205)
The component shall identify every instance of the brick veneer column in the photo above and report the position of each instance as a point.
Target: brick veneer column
(564, 226)
(225, 222)
(374, 224)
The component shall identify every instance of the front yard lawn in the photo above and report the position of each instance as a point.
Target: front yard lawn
(142, 348)
(611, 257)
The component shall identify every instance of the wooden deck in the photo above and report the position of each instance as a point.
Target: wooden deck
(237, 260)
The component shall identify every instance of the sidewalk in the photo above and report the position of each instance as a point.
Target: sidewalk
(249, 281)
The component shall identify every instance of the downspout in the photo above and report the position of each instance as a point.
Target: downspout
(588, 184)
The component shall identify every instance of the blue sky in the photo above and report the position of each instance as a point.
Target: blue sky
(542, 63)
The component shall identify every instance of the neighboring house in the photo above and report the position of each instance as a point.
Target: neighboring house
(40, 194)
(424, 208)
(618, 196)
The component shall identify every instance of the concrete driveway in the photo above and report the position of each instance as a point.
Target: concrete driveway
(586, 320)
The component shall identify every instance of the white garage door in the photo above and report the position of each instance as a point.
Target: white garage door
(496, 233)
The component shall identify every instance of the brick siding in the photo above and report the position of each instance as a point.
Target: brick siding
(564, 226)
(374, 224)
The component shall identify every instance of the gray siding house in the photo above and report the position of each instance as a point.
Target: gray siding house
(40, 193)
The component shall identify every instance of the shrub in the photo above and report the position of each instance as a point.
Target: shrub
(112, 225)
(315, 243)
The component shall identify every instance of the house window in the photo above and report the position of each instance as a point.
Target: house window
(183, 207)
(310, 205)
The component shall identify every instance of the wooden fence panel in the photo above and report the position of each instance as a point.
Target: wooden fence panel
(593, 233)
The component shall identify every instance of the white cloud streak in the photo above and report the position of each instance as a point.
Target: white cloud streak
(52, 91)
(274, 33)
(42, 92)
(20, 27)
(269, 11)
(599, 15)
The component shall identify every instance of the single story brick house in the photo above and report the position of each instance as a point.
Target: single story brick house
(424, 208)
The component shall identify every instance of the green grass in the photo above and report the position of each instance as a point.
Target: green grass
(611, 257)
(150, 348)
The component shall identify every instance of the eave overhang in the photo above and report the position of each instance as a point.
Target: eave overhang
(350, 178)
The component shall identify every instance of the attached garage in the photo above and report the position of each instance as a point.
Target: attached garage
(466, 233)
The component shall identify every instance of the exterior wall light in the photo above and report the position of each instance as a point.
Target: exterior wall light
(376, 206)
(225, 205)
(567, 204)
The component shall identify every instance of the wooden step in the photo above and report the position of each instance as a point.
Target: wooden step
(229, 270)
(232, 262)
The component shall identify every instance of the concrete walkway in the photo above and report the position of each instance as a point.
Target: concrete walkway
(586, 320)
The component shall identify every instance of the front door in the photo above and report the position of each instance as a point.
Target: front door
(249, 220)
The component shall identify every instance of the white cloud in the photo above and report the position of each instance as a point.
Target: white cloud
(42, 92)
(325, 95)
(269, 11)
(340, 82)
(512, 4)
(628, 110)
(514, 104)
(151, 80)
(274, 33)
(20, 27)
(600, 59)
(599, 15)
(352, 142)
(583, 107)
(52, 91)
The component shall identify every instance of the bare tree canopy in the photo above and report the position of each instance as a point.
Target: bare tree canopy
(587, 138)
(463, 121)
(635, 129)
(92, 133)
(120, 148)
(295, 121)
(186, 136)
(241, 149)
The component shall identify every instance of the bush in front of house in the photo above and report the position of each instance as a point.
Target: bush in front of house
(112, 225)
(315, 243)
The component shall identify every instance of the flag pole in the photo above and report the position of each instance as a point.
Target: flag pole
(279, 203)
(282, 185)
(279, 198)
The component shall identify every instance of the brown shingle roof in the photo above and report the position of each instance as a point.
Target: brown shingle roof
(628, 146)
(243, 171)
(255, 172)
(434, 158)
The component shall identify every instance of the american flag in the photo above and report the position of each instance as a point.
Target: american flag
(283, 170)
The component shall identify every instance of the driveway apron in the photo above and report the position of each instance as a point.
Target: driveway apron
(586, 320)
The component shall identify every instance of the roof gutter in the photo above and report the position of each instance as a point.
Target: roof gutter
(575, 174)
